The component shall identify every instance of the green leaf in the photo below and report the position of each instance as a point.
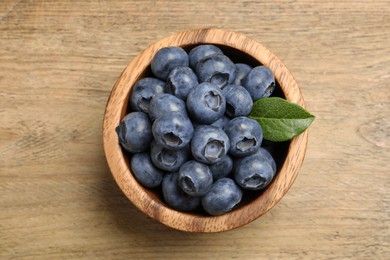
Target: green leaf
(281, 120)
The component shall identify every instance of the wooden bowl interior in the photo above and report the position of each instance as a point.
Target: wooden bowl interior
(288, 155)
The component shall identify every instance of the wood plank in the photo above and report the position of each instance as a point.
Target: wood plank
(58, 63)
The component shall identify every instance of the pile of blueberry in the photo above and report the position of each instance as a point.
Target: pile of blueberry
(188, 133)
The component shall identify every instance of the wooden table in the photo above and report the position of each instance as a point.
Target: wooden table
(58, 63)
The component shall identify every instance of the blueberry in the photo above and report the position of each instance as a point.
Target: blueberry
(217, 69)
(168, 159)
(253, 172)
(238, 101)
(209, 144)
(245, 136)
(195, 178)
(180, 82)
(262, 152)
(175, 197)
(135, 132)
(223, 196)
(259, 82)
(206, 103)
(144, 171)
(222, 122)
(163, 103)
(167, 59)
(200, 52)
(242, 70)
(222, 169)
(172, 130)
(143, 91)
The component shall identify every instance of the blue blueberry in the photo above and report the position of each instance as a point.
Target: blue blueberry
(144, 171)
(168, 159)
(206, 103)
(245, 136)
(259, 82)
(262, 152)
(175, 197)
(253, 172)
(222, 122)
(222, 169)
(223, 196)
(143, 91)
(200, 52)
(216, 69)
(263, 155)
(167, 59)
(163, 103)
(195, 178)
(172, 130)
(238, 101)
(209, 144)
(242, 70)
(181, 81)
(135, 132)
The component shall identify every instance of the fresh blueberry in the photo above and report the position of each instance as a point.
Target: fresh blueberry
(261, 153)
(222, 168)
(163, 103)
(195, 178)
(259, 82)
(223, 196)
(242, 70)
(206, 103)
(144, 171)
(175, 197)
(168, 159)
(222, 122)
(253, 172)
(209, 144)
(143, 91)
(200, 52)
(172, 130)
(245, 136)
(180, 82)
(135, 132)
(268, 157)
(238, 101)
(167, 59)
(217, 69)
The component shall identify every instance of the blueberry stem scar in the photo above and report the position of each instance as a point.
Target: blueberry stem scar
(254, 181)
(145, 103)
(189, 184)
(213, 100)
(214, 149)
(171, 139)
(246, 144)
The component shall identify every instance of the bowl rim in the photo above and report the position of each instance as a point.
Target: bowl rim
(145, 200)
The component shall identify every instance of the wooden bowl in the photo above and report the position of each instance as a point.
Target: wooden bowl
(290, 154)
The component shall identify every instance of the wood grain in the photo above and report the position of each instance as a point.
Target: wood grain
(58, 63)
